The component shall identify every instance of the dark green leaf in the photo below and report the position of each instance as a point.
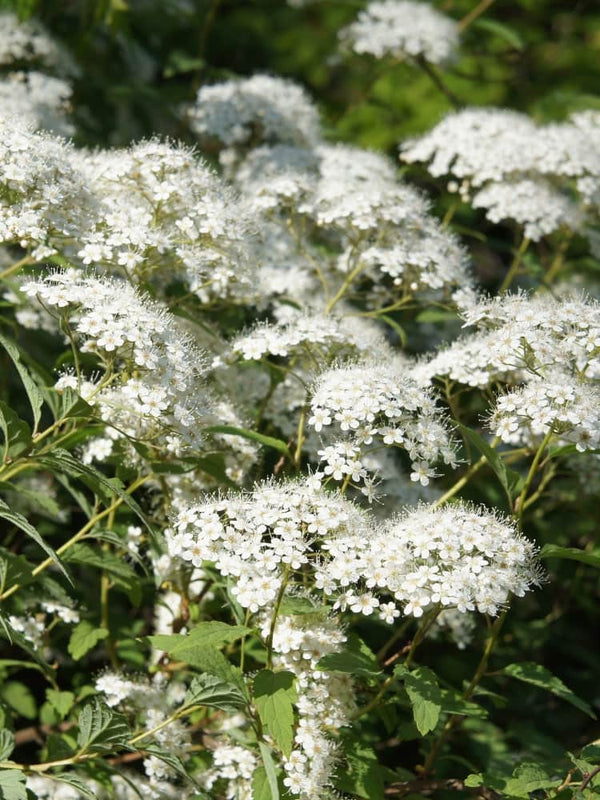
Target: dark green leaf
(61, 702)
(570, 553)
(208, 690)
(20, 521)
(356, 659)
(537, 675)
(7, 744)
(16, 432)
(19, 697)
(501, 30)
(100, 728)
(511, 481)
(362, 775)
(32, 390)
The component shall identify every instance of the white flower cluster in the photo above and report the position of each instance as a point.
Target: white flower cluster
(234, 764)
(43, 196)
(317, 336)
(37, 99)
(403, 29)
(378, 401)
(515, 169)
(325, 699)
(256, 110)
(154, 701)
(163, 394)
(161, 213)
(27, 42)
(457, 556)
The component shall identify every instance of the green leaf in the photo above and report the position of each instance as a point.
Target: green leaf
(207, 633)
(274, 695)
(19, 697)
(363, 775)
(12, 784)
(570, 553)
(269, 764)
(511, 481)
(261, 788)
(61, 702)
(509, 35)
(180, 62)
(537, 675)
(395, 326)
(100, 728)
(7, 743)
(170, 759)
(291, 606)
(83, 638)
(208, 690)
(20, 521)
(16, 432)
(34, 394)
(425, 696)
(121, 572)
(77, 783)
(245, 433)
(356, 659)
(63, 461)
(453, 703)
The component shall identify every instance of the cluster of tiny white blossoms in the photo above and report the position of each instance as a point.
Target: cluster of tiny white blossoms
(37, 99)
(403, 29)
(502, 161)
(325, 699)
(154, 701)
(162, 213)
(43, 196)
(163, 394)
(555, 404)
(378, 401)
(257, 110)
(34, 626)
(521, 336)
(456, 556)
(27, 42)
(316, 336)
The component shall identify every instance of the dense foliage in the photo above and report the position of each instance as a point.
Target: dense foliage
(300, 413)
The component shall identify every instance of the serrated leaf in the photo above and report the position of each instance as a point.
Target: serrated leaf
(355, 659)
(12, 784)
(211, 634)
(274, 695)
(121, 572)
(20, 521)
(100, 728)
(453, 703)
(511, 481)
(16, 432)
(84, 637)
(291, 606)
(63, 461)
(425, 696)
(535, 674)
(171, 760)
(254, 436)
(571, 554)
(208, 690)
(61, 702)
(269, 765)
(77, 783)
(34, 394)
(362, 775)
(7, 744)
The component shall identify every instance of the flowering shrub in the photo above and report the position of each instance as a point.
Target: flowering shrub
(293, 434)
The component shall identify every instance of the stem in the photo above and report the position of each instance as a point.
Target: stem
(436, 79)
(79, 535)
(104, 606)
(342, 290)
(300, 437)
(16, 266)
(472, 15)
(455, 488)
(468, 693)
(514, 267)
(274, 618)
(558, 260)
(520, 502)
